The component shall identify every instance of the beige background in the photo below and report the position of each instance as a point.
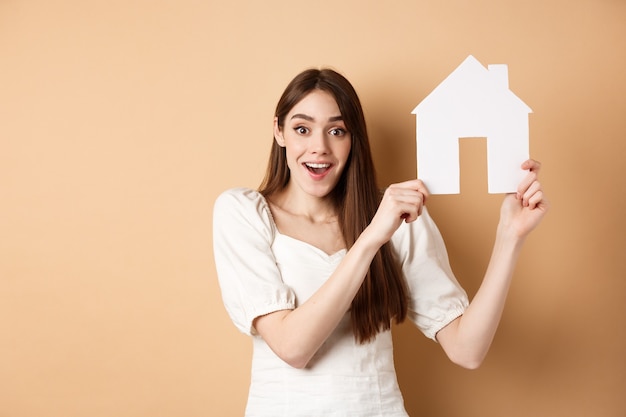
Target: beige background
(121, 121)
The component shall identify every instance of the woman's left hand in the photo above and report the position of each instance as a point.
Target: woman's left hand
(521, 212)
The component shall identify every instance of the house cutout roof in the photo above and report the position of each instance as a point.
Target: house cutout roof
(473, 101)
(471, 84)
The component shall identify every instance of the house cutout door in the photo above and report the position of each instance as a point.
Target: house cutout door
(473, 164)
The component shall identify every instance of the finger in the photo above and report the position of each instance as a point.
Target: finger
(404, 202)
(402, 191)
(410, 206)
(411, 184)
(424, 190)
(526, 183)
(529, 198)
(415, 185)
(536, 200)
(531, 165)
(412, 193)
(412, 212)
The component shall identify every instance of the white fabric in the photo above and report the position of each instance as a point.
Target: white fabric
(261, 271)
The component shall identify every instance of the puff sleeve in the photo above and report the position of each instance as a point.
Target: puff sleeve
(249, 279)
(436, 297)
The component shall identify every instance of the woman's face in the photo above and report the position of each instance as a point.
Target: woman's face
(317, 143)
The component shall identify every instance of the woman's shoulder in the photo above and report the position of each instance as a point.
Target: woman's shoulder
(241, 195)
(242, 203)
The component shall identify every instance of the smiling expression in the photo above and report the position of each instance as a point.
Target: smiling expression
(317, 143)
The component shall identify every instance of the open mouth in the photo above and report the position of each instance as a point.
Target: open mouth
(316, 168)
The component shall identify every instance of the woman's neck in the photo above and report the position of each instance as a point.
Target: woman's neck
(297, 203)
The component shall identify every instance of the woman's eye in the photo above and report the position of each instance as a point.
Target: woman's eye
(337, 132)
(301, 130)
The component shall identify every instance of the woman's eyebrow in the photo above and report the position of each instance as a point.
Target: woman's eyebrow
(302, 116)
(311, 119)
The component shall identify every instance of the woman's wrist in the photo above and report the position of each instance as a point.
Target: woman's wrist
(369, 241)
(506, 237)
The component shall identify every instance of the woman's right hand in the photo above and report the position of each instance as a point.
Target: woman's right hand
(401, 202)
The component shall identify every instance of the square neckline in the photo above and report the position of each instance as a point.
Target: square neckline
(330, 256)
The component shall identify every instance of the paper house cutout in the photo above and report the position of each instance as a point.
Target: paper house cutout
(472, 101)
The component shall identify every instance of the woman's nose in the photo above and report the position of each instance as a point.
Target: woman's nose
(319, 143)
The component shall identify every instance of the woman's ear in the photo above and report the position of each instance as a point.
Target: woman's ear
(278, 134)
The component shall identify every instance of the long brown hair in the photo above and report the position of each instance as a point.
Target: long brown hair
(383, 294)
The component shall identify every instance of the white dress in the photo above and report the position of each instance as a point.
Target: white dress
(261, 271)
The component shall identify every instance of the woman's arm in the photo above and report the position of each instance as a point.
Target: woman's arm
(467, 339)
(295, 335)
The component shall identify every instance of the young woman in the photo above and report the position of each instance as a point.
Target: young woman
(317, 263)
